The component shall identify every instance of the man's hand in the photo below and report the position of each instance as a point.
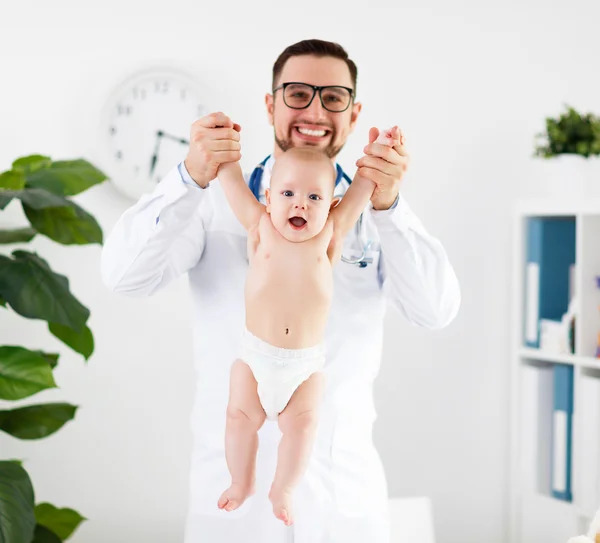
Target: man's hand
(385, 166)
(214, 140)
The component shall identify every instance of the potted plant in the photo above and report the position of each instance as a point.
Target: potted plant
(31, 289)
(570, 148)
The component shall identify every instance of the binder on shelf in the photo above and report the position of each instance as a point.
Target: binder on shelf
(537, 408)
(562, 432)
(589, 447)
(550, 256)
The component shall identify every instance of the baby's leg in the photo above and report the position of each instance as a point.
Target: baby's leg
(298, 424)
(245, 416)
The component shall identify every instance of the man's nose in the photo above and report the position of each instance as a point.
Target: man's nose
(316, 110)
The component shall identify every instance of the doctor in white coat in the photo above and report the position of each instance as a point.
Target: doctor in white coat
(187, 227)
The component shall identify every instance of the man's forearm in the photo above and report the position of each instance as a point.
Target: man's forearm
(384, 200)
(417, 276)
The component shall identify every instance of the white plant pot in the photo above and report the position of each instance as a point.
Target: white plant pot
(571, 176)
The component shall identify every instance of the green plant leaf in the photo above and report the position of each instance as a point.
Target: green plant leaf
(5, 199)
(2, 302)
(63, 522)
(12, 180)
(31, 163)
(570, 133)
(50, 358)
(68, 225)
(37, 198)
(66, 177)
(36, 421)
(44, 535)
(34, 291)
(23, 373)
(17, 499)
(81, 342)
(18, 235)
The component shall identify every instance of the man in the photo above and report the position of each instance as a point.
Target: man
(187, 226)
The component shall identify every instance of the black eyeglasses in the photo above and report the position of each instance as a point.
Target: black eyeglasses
(334, 98)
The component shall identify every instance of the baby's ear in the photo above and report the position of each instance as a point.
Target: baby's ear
(334, 202)
(268, 198)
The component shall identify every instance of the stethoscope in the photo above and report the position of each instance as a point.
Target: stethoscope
(361, 261)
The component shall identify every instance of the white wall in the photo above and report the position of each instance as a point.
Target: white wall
(469, 83)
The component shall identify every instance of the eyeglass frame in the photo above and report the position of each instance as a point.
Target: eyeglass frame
(315, 88)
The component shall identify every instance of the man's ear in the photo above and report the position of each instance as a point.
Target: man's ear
(356, 109)
(268, 197)
(269, 103)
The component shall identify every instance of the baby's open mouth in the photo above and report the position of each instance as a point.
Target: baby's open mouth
(298, 222)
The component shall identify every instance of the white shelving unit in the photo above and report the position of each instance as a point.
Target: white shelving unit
(535, 515)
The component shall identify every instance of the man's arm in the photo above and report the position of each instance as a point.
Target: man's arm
(414, 269)
(353, 203)
(156, 240)
(245, 206)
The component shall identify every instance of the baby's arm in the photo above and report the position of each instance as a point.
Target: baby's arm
(245, 206)
(353, 203)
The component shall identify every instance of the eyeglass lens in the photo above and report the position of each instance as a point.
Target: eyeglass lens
(298, 96)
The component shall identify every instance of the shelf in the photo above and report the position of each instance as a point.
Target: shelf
(551, 501)
(575, 360)
(561, 506)
(557, 207)
(535, 515)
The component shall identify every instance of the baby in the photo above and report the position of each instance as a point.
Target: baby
(293, 243)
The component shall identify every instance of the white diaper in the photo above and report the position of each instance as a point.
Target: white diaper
(278, 371)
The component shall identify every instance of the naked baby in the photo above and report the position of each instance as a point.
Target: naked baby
(293, 243)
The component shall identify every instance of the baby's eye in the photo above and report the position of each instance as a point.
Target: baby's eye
(287, 193)
(314, 197)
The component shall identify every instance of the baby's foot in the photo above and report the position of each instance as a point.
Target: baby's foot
(235, 496)
(282, 505)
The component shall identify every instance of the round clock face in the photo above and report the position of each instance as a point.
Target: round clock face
(145, 128)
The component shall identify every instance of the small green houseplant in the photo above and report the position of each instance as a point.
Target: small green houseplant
(571, 133)
(30, 288)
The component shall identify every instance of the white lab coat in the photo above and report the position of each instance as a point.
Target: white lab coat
(343, 496)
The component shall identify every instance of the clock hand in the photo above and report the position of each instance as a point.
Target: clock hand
(174, 138)
(155, 155)
(160, 134)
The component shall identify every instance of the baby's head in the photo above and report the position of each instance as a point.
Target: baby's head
(301, 193)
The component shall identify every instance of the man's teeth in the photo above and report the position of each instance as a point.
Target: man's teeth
(315, 133)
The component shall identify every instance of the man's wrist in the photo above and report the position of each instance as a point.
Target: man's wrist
(383, 202)
(189, 177)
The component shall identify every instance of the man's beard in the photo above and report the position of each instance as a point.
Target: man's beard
(331, 150)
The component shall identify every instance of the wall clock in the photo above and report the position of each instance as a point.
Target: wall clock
(145, 126)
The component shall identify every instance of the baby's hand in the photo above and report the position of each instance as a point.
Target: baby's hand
(390, 137)
(384, 163)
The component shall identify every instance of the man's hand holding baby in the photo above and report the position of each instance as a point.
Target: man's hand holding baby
(384, 163)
